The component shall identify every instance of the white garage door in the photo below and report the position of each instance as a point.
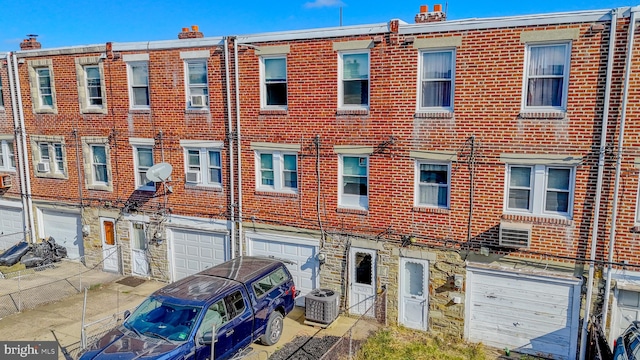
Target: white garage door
(11, 226)
(194, 251)
(529, 314)
(303, 257)
(66, 229)
(626, 311)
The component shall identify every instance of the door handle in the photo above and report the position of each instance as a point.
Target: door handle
(229, 333)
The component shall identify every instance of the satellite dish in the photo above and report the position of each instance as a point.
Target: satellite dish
(159, 172)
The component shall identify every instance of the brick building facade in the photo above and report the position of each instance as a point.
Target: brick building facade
(457, 164)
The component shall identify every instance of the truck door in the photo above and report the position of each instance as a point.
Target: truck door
(241, 323)
(216, 315)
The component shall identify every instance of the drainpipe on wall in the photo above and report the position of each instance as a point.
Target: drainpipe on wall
(230, 129)
(22, 158)
(616, 187)
(237, 78)
(23, 143)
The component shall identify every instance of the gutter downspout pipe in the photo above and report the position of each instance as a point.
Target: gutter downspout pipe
(23, 143)
(616, 188)
(231, 161)
(237, 79)
(21, 156)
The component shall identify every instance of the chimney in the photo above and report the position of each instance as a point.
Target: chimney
(192, 33)
(30, 43)
(424, 16)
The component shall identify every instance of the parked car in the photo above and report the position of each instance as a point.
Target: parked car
(627, 345)
(226, 307)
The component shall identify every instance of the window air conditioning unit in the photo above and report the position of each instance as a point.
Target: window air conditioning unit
(43, 167)
(5, 181)
(198, 100)
(193, 176)
(321, 306)
(515, 235)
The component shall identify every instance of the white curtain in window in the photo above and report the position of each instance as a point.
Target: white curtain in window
(436, 79)
(275, 69)
(546, 75)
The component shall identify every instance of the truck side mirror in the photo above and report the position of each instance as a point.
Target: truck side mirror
(127, 313)
(206, 339)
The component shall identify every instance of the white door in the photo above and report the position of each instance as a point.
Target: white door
(110, 261)
(11, 227)
(626, 311)
(139, 261)
(362, 269)
(66, 229)
(526, 313)
(414, 293)
(193, 251)
(301, 255)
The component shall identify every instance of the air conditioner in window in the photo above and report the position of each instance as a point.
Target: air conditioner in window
(198, 100)
(5, 181)
(43, 167)
(193, 176)
(515, 235)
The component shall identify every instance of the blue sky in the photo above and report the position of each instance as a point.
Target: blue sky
(62, 23)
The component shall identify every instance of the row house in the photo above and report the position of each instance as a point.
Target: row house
(478, 177)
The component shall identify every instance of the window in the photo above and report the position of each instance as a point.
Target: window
(432, 185)
(204, 167)
(540, 190)
(1, 94)
(93, 86)
(354, 80)
(354, 192)
(99, 164)
(51, 158)
(7, 157)
(547, 74)
(436, 80)
(197, 84)
(45, 95)
(143, 157)
(277, 171)
(139, 84)
(274, 89)
(267, 283)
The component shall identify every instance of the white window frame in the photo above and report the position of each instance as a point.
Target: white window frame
(203, 166)
(188, 85)
(55, 157)
(100, 85)
(7, 155)
(132, 86)
(417, 184)
(538, 190)
(41, 104)
(350, 201)
(263, 83)
(137, 168)
(94, 181)
(278, 172)
(341, 104)
(1, 95)
(565, 77)
(452, 79)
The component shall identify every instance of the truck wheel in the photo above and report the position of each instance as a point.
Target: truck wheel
(274, 329)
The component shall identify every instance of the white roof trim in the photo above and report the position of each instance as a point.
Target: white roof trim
(316, 33)
(510, 21)
(70, 50)
(135, 57)
(168, 44)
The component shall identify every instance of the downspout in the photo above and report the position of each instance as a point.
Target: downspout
(22, 159)
(616, 186)
(596, 215)
(230, 137)
(23, 141)
(237, 86)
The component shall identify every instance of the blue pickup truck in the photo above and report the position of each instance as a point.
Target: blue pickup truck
(223, 309)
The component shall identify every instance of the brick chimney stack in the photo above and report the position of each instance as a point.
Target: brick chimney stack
(194, 33)
(424, 16)
(30, 43)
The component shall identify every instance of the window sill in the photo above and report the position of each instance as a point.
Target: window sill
(434, 115)
(352, 211)
(100, 187)
(203, 187)
(51, 175)
(139, 111)
(430, 210)
(273, 111)
(197, 111)
(45, 111)
(276, 194)
(538, 219)
(557, 115)
(340, 112)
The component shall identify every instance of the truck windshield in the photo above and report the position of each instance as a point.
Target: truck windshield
(163, 320)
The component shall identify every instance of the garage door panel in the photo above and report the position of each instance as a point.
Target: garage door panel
(194, 251)
(527, 314)
(65, 228)
(11, 227)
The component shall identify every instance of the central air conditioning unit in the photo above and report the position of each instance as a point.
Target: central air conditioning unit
(321, 306)
(198, 100)
(43, 167)
(515, 235)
